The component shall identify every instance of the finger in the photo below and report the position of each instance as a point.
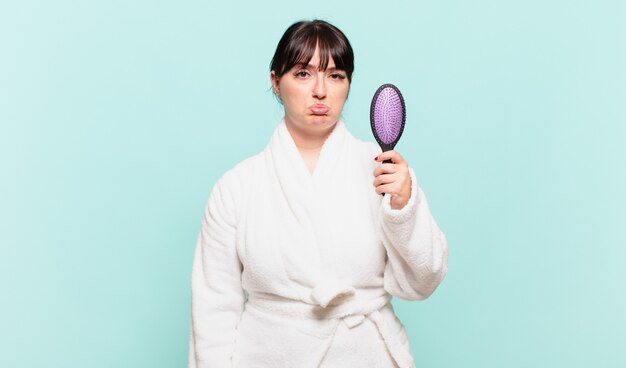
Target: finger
(385, 169)
(391, 188)
(392, 155)
(384, 179)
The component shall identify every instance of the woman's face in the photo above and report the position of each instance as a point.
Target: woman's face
(313, 99)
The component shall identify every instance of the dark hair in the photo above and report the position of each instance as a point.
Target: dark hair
(298, 44)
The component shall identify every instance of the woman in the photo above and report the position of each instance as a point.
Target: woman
(303, 228)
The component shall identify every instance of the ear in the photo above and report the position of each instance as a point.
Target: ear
(274, 80)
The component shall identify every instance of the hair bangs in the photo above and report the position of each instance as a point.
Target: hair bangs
(302, 39)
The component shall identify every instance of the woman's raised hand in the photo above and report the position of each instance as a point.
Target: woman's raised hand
(393, 178)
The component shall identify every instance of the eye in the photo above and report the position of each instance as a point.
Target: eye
(338, 76)
(302, 74)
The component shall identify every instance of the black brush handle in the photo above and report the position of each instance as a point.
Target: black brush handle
(386, 162)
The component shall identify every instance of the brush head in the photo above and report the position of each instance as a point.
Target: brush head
(387, 116)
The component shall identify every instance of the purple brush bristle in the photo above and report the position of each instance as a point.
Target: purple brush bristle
(387, 116)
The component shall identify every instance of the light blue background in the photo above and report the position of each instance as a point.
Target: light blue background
(118, 116)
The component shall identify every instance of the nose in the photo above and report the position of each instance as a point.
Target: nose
(319, 89)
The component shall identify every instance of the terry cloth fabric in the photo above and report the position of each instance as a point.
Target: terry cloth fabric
(320, 256)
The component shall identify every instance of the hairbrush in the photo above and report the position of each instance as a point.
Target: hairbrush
(387, 116)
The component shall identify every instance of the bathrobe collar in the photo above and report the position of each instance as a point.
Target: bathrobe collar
(283, 141)
(291, 170)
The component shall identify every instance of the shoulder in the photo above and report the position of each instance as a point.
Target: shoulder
(230, 191)
(370, 148)
(364, 152)
(236, 178)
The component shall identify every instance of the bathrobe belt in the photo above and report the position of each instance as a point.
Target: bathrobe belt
(336, 301)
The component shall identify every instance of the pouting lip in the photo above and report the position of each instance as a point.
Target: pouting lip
(319, 109)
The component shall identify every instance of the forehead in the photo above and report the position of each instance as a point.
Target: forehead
(316, 61)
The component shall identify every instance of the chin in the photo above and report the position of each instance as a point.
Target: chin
(324, 120)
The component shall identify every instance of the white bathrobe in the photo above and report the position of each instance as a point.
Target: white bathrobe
(320, 256)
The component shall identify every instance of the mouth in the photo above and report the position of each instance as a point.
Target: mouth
(319, 109)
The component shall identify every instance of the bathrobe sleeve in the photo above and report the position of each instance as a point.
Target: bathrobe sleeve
(417, 250)
(217, 295)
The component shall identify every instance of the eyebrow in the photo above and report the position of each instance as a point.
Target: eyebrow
(317, 67)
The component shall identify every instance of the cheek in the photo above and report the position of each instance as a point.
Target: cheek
(343, 89)
(292, 103)
(341, 96)
(292, 94)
